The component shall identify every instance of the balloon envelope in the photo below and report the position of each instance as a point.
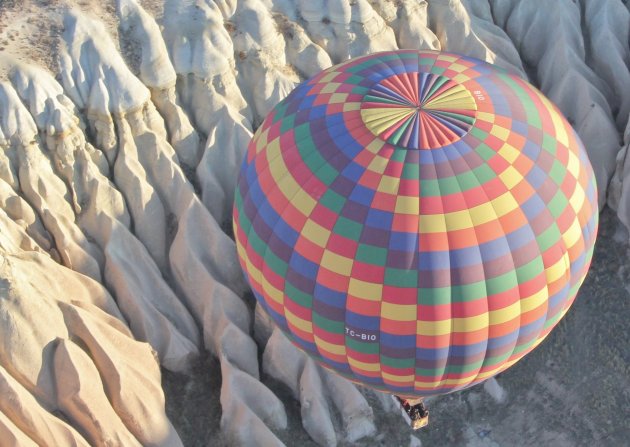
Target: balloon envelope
(416, 221)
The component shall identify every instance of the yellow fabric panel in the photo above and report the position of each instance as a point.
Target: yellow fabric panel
(534, 301)
(366, 290)
(557, 270)
(500, 132)
(328, 77)
(271, 291)
(455, 98)
(373, 367)
(572, 235)
(378, 164)
(315, 233)
(573, 164)
(330, 347)
(337, 98)
(389, 184)
(375, 146)
(510, 177)
(330, 87)
(478, 215)
(379, 120)
(337, 263)
(397, 378)
(351, 106)
(407, 205)
(399, 312)
(509, 153)
(433, 328)
(296, 321)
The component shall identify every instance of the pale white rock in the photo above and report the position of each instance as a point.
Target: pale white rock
(144, 297)
(249, 409)
(313, 386)
(92, 58)
(129, 370)
(286, 363)
(201, 256)
(33, 287)
(46, 430)
(409, 20)
(14, 238)
(226, 323)
(181, 134)
(263, 325)
(452, 26)
(50, 198)
(495, 390)
(471, 36)
(619, 189)
(316, 416)
(8, 166)
(155, 314)
(56, 118)
(413, 29)
(301, 53)
(91, 69)
(608, 26)
(265, 92)
(12, 436)
(17, 125)
(82, 398)
(203, 57)
(277, 349)
(356, 414)
(218, 169)
(51, 109)
(28, 327)
(479, 8)
(385, 400)
(203, 98)
(345, 29)
(196, 39)
(501, 10)
(155, 68)
(156, 71)
(47, 194)
(261, 49)
(494, 37)
(227, 7)
(21, 213)
(144, 204)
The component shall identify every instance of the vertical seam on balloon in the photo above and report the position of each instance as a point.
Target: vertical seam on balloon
(474, 227)
(448, 352)
(513, 263)
(380, 311)
(416, 258)
(478, 251)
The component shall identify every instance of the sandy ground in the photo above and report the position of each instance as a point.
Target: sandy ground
(574, 390)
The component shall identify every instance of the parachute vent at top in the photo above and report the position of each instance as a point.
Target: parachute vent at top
(415, 221)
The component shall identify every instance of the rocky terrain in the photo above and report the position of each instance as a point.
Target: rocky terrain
(124, 316)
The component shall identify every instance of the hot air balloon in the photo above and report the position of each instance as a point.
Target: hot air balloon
(415, 221)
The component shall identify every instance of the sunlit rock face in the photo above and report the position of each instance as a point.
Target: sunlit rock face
(122, 128)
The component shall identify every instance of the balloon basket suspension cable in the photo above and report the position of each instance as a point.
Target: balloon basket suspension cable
(413, 411)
